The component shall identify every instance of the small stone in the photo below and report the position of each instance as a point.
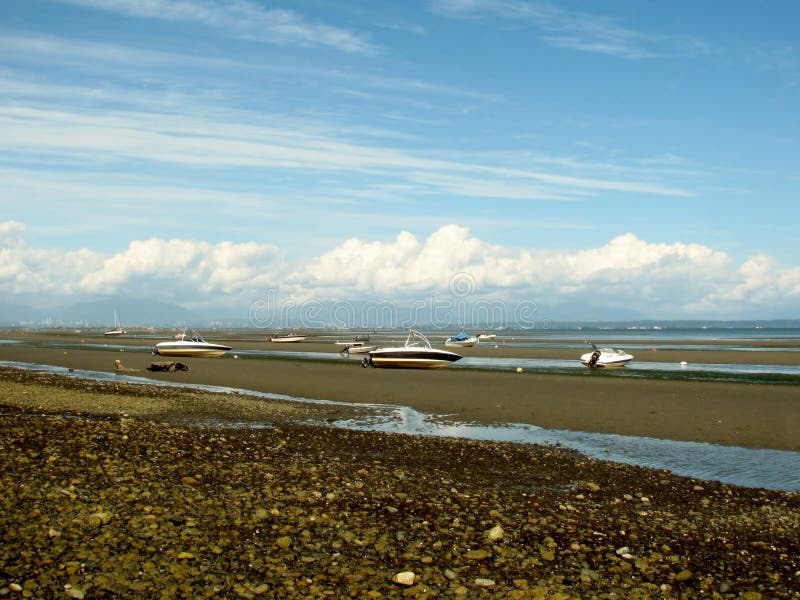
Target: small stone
(449, 574)
(483, 582)
(477, 555)
(495, 533)
(99, 519)
(547, 554)
(76, 593)
(15, 587)
(185, 556)
(284, 542)
(404, 578)
(683, 575)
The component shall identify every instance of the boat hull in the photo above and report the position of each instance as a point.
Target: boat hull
(461, 344)
(605, 361)
(411, 359)
(190, 350)
(288, 339)
(358, 349)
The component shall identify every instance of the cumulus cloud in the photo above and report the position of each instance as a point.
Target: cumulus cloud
(191, 273)
(660, 280)
(667, 280)
(185, 271)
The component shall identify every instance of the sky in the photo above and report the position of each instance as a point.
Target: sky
(601, 158)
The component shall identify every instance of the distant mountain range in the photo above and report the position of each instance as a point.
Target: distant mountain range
(100, 313)
(144, 312)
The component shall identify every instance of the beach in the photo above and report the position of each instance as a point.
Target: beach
(119, 490)
(128, 490)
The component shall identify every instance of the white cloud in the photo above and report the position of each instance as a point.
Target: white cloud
(172, 268)
(660, 280)
(11, 231)
(188, 272)
(562, 28)
(201, 142)
(240, 18)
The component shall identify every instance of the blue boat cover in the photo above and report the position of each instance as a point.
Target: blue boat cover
(460, 337)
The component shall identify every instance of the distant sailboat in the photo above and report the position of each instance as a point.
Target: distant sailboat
(118, 330)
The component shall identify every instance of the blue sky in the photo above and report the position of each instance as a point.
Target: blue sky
(640, 154)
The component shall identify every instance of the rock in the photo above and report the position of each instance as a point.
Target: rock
(284, 542)
(495, 533)
(483, 582)
(547, 554)
(404, 578)
(477, 555)
(684, 575)
(99, 519)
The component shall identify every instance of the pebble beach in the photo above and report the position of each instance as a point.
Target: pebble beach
(113, 490)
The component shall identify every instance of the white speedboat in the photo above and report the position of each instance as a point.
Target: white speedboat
(605, 357)
(287, 338)
(416, 353)
(462, 340)
(118, 330)
(486, 337)
(193, 345)
(355, 348)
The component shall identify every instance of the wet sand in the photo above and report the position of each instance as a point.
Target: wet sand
(747, 415)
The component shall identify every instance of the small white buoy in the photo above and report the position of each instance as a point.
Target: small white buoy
(684, 364)
(235, 356)
(519, 369)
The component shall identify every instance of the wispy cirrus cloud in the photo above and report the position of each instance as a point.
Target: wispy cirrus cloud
(562, 28)
(199, 142)
(240, 18)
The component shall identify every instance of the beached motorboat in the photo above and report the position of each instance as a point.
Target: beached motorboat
(605, 357)
(287, 338)
(416, 353)
(486, 337)
(462, 340)
(186, 345)
(118, 330)
(355, 347)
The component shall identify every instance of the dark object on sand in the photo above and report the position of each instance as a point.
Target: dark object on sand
(168, 366)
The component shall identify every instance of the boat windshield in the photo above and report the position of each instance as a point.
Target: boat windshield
(421, 339)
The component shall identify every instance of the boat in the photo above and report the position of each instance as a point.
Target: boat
(605, 357)
(486, 337)
(462, 340)
(416, 353)
(118, 330)
(356, 347)
(186, 345)
(287, 338)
